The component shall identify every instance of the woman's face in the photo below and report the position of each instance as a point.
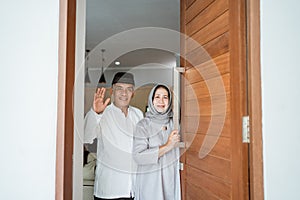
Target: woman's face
(161, 99)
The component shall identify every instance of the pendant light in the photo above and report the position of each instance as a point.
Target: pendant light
(87, 77)
(102, 79)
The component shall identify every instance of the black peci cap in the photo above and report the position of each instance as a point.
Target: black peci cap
(123, 77)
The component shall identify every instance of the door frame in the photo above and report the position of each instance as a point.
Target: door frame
(254, 101)
(66, 80)
(65, 120)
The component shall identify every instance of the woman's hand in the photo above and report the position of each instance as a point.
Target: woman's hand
(98, 104)
(173, 139)
(172, 142)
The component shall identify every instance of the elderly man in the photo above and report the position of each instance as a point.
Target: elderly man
(113, 126)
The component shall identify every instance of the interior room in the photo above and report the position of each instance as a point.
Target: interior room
(149, 65)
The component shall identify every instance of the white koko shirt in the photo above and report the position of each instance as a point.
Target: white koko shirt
(115, 171)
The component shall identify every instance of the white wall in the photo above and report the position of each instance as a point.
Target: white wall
(281, 98)
(150, 73)
(28, 86)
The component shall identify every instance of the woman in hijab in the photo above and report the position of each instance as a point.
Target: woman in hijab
(155, 151)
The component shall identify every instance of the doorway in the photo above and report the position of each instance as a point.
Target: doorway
(254, 98)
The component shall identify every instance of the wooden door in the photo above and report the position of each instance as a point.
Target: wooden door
(215, 159)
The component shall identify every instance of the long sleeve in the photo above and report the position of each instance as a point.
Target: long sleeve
(143, 154)
(91, 126)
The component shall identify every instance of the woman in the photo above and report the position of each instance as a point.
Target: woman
(155, 151)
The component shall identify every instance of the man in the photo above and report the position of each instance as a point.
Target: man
(113, 126)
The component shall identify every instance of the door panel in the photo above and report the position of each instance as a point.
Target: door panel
(218, 26)
(205, 15)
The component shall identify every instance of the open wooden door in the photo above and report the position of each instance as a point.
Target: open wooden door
(219, 26)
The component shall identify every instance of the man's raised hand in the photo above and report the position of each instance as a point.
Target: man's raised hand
(99, 104)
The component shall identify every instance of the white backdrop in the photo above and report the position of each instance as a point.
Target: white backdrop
(281, 97)
(28, 109)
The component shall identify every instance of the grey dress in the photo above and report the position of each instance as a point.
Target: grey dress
(157, 178)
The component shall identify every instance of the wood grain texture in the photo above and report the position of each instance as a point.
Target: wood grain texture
(215, 51)
(209, 51)
(214, 10)
(216, 186)
(210, 69)
(209, 88)
(200, 124)
(214, 29)
(204, 106)
(217, 166)
(255, 105)
(198, 7)
(188, 3)
(237, 42)
(198, 193)
(222, 149)
(66, 78)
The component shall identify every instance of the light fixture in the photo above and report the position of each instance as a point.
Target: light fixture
(102, 77)
(117, 63)
(87, 77)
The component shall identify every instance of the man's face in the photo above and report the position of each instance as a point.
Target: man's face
(122, 94)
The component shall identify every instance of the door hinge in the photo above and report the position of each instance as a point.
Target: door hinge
(246, 129)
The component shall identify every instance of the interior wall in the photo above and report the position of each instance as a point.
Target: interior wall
(28, 82)
(152, 73)
(143, 77)
(280, 45)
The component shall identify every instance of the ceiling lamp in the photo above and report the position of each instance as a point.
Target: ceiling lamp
(102, 79)
(87, 77)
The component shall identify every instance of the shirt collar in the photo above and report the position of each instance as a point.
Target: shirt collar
(119, 109)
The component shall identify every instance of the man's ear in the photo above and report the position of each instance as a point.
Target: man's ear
(110, 91)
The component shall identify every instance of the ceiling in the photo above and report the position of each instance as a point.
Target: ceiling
(105, 18)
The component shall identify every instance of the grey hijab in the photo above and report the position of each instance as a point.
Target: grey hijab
(153, 114)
